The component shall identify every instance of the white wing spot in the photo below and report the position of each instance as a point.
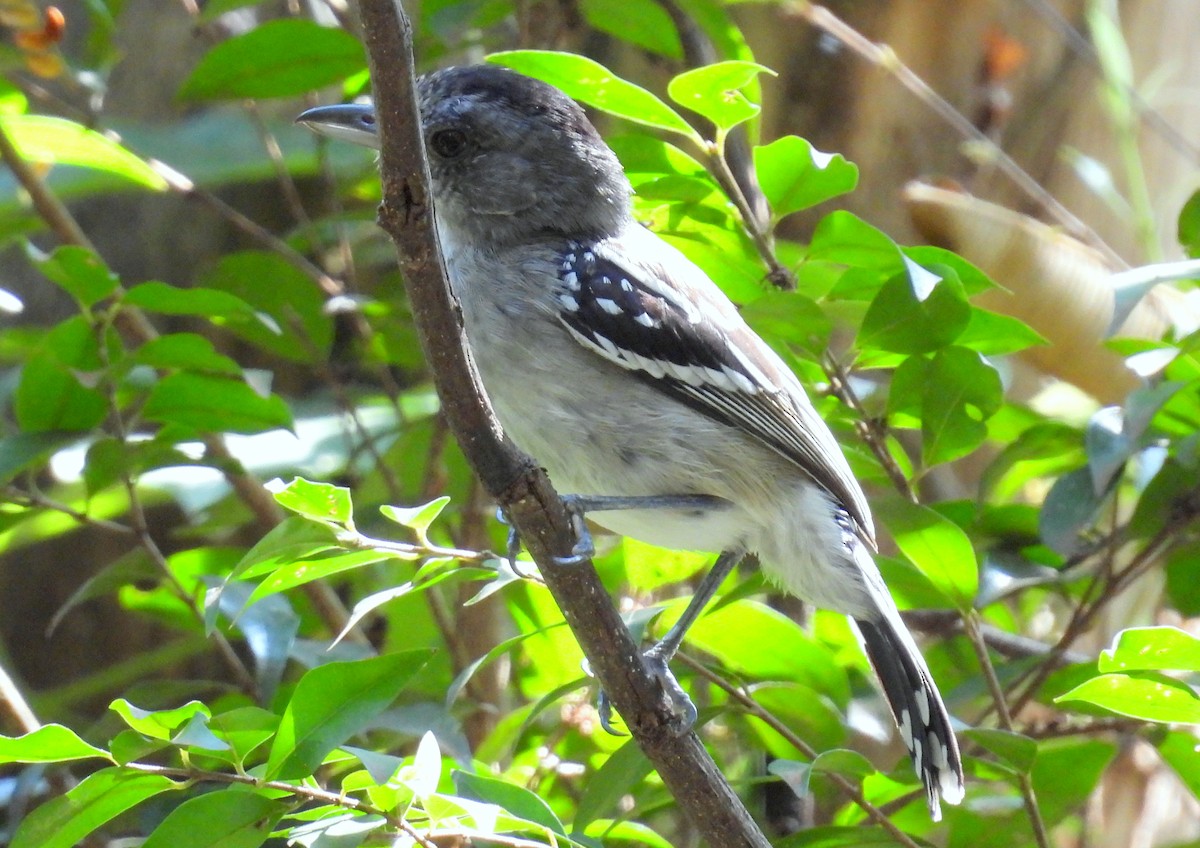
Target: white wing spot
(609, 306)
(571, 279)
(645, 320)
(626, 285)
(937, 753)
(906, 728)
(568, 302)
(923, 706)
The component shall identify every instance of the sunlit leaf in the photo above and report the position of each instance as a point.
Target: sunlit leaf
(56, 141)
(280, 58)
(591, 83)
(716, 91)
(331, 703)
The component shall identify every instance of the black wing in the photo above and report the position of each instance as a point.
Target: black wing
(688, 339)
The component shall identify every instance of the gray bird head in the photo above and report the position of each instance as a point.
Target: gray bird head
(512, 158)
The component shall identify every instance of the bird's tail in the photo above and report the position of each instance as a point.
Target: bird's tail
(918, 709)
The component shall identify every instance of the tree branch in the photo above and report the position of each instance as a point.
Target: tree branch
(511, 477)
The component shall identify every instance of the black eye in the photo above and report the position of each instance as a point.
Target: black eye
(448, 143)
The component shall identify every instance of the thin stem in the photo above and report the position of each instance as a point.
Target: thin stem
(847, 787)
(1024, 781)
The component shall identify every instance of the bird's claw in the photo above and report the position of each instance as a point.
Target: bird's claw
(584, 548)
(682, 711)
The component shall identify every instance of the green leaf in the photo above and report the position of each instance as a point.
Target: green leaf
(244, 729)
(643, 23)
(297, 327)
(513, 799)
(318, 501)
(716, 92)
(936, 546)
(798, 775)
(416, 518)
(1067, 510)
(158, 724)
(846, 239)
(624, 769)
(224, 819)
(187, 352)
(292, 539)
(961, 391)
(81, 273)
(333, 702)
(50, 395)
(280, 58)
(214, 404)
(51, 743)
(66, 821)
(915, 313)
(56, 141)
(1150, 699)
(1016, 750)
(993, 334)
(591, 83)
(1151, 649)
(1189, 226)
(172, 300)
(752, 639)
(794, 175)
(28, 450)
(791, 317)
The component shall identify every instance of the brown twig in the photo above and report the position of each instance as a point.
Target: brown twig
(508, 475)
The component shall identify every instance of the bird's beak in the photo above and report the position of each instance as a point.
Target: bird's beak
(353, 122)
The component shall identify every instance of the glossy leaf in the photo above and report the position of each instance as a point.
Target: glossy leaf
(794, 175)
(1151, 649)
(331, 703)
(510, 797)
(66, 821)
(281, 58)
(214, 404)
(225, 819)
(798, 775)
(416, 518)
(318, 501)
(640, 22)
(960, 393)
(591, 83)
(158, 724)
(78, 271)
(197, 300)
(915, 314)
(296, 325)
(936, 546)
(1149, 699)
(51, 395)
(1068, 510)
(1016, 750)
(624, 769)
(51, 743)
(48, 140)
(717, 92)
(187, 352)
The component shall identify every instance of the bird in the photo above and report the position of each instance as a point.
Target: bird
(622, 368)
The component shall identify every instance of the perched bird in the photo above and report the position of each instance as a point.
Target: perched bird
(622, 368)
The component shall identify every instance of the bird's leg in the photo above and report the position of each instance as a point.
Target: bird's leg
(579, 505)
(658, 657)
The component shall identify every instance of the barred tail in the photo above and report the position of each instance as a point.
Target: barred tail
(917, 707)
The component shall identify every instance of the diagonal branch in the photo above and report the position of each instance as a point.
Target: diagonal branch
(508, 475)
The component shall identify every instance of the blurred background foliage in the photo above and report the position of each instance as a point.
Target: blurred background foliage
(195, 300)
